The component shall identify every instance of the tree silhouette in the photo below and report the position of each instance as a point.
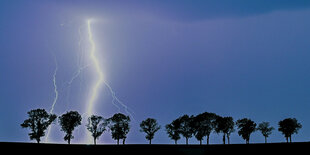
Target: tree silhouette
(186, 127)
(288, 127)
(246, 128)
(96, 125)
(265, 129)
(150, 127)
(173, 130)
(38, 122)
(229, 127)
(203, 125)
(226, 126)
(198, 128)
(119, 126)
(68, 122)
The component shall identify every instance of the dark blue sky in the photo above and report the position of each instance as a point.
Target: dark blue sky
(163, 59)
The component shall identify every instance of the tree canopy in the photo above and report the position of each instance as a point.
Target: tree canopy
(288, 127)
(246, 128)
(68, 122)
(186, 126)
(150, 127)
(119, 126)
(224, 125)
(265, 129)
(173, 130)
(96, 125)
(38, 121)
(203, 125)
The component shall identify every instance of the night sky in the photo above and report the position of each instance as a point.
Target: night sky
(163, 59)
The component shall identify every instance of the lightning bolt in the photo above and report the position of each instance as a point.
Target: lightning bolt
(115, 100)
(94, 88)
(76, 74)
(99, 82)
(56, 95)
(80, 67)
(55, 86)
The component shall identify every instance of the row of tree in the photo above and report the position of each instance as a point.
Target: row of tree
(204, 124)
(39, 120)
(199, 126)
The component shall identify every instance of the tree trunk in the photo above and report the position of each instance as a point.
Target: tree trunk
(208, 137)
(228, 141)
(265, 140)
(124, 141)
(286, 139)
(224, 138)
(200, 142)
(150, 141)
(175, 142)
(69, 137)
(290, 138)
(117, 141)
(248, 141)
(95, 141)
(38, 140)
(186, 141)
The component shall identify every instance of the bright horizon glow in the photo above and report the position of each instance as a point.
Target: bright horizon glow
(95, 88)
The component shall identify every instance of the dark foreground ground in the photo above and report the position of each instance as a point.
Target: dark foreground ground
(278, 148)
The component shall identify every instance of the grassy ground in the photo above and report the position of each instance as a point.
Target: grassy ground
(276, 148)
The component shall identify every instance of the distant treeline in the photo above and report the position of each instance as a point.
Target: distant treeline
(199, 126)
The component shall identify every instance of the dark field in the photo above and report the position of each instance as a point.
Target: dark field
(277, 148)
